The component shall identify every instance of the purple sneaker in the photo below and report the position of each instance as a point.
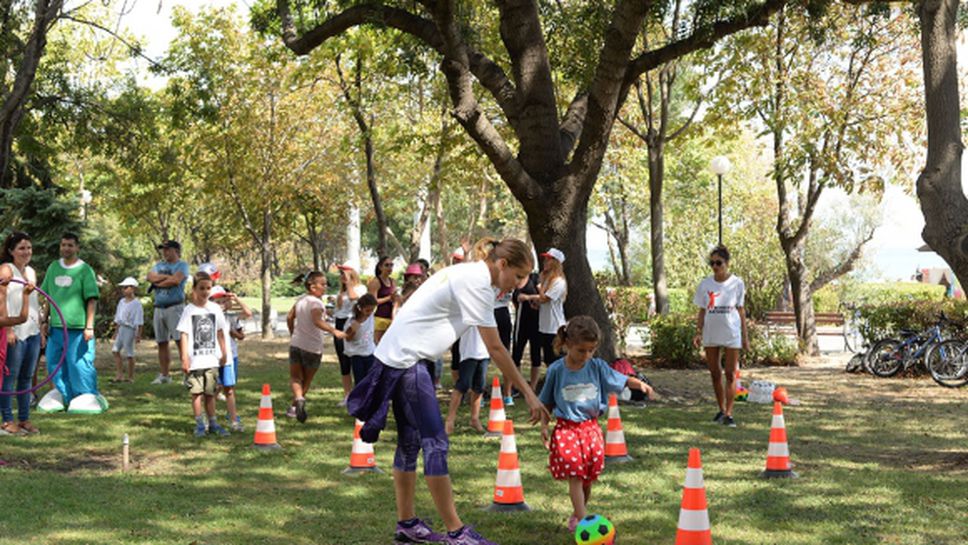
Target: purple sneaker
(419, 533)
(467, 537)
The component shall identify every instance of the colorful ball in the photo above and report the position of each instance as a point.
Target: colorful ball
(742, 394)
(594, 530)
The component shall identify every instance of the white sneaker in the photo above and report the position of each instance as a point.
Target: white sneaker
(221, 396)
(342, 403)
(161, 379)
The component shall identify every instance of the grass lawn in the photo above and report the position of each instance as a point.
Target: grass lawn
(881, 461)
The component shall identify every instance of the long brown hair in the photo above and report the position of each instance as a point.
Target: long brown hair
(512, 250)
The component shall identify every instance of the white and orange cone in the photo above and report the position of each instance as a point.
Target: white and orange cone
(362, 459)
(265, 426)
(497, 417)
(693, 527)
(508, 492)
(778, 453)
(615, 449)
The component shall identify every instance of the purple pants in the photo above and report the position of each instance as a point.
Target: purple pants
(415, 408)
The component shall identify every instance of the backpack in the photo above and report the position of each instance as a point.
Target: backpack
(625, 367)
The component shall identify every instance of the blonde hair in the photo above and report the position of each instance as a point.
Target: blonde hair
(580, 329)
(512, 250)
(352, 276)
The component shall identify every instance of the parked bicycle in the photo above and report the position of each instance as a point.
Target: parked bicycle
(948, 363)
(889, 357)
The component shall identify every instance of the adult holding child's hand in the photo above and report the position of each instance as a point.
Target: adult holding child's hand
(721, 329)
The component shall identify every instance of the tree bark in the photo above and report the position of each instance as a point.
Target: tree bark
(265, 254)
(12, 107)
(939, 189)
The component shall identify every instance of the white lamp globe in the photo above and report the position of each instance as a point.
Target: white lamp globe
(720, 165)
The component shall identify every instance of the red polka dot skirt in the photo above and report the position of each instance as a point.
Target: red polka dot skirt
(577, 450)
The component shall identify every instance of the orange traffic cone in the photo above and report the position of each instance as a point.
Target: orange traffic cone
(495, 421)
(615, 449)
(693, 527)
(777, 453)
(508, 492)
(361, 457)
(265, 427)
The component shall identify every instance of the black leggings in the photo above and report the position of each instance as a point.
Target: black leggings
(502, 315)
(548, 348)
(345, 368)
(531, 338)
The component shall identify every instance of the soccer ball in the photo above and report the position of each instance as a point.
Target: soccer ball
(594, 530)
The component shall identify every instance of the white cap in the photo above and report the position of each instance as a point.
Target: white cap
(129, 281)
(555, 253)
(217, 291)
(347, 266)
(209, 269)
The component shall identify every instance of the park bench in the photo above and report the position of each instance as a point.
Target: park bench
(785, 323)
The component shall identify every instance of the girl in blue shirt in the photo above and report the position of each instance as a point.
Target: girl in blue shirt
(576, 389)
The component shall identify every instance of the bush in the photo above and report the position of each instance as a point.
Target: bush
(626, 306)
(879, 321)
(672, 343)
(778, 350)
(671, 337)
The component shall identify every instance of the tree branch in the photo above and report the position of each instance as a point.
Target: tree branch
(701, 38)
(572, 123)
(843, 268)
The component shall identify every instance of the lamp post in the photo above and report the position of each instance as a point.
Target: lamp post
(85, 198)
(720, 165)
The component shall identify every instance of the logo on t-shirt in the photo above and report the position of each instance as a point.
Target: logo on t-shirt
(712, 299)
(203, 335)
(63, 281)
(576, 393)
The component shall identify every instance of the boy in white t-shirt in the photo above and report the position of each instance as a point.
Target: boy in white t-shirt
(203, 351)
(228, 376)
(129, 317)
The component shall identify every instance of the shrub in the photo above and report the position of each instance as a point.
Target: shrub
(671, 337)
(878, 321)
(626, 306)
(779, 350)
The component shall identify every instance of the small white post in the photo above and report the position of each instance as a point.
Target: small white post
(125, 461)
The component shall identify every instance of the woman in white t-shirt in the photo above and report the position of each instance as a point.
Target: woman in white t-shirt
(552, 292)
(721, 325)
(446, 305)
(350, 289)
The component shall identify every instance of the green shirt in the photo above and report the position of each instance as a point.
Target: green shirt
(71, 288)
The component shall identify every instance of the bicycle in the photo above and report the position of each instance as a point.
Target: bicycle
(948, 363)
(889, 357)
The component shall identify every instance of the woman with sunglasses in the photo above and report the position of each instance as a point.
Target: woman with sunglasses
(721, 325)
(383, 288)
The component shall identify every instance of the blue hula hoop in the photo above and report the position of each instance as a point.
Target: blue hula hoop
(63, 358)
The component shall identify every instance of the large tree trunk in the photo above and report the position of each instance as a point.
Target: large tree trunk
(265, 254)
(939, 189)
(14, 98)
(802, 297)
(555, 223)
(656, 231)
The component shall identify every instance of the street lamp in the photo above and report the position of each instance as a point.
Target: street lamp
(720, 165)
(85, 197)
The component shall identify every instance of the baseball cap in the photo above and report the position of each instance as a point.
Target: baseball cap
(413, 270)
(458, 254)
(210, 269)
(556, 254)
(347, 266)
(217, 292)
(129, 281)
(169, 244)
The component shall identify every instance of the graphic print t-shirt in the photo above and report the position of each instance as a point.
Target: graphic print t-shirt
(721, 299)
(203, 324)
(580, 395)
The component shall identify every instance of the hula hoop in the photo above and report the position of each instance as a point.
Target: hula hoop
(63, 358)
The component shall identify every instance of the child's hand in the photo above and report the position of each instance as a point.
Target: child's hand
(545, 437)
(339, 335)
(185, 367)
(648, 391)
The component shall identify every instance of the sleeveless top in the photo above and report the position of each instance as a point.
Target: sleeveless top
(384, 310)
(15, 301)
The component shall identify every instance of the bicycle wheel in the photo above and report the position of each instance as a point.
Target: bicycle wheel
(856, 364)
(948, 363)
(886, 358)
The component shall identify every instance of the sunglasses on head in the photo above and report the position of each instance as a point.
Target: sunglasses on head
(716, 262)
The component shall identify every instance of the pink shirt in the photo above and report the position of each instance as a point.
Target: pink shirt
(305, 335)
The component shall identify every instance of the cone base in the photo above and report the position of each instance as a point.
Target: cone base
(361, 470)
(779, 474)
(507, 507)
(267, 448)
(618, 459)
